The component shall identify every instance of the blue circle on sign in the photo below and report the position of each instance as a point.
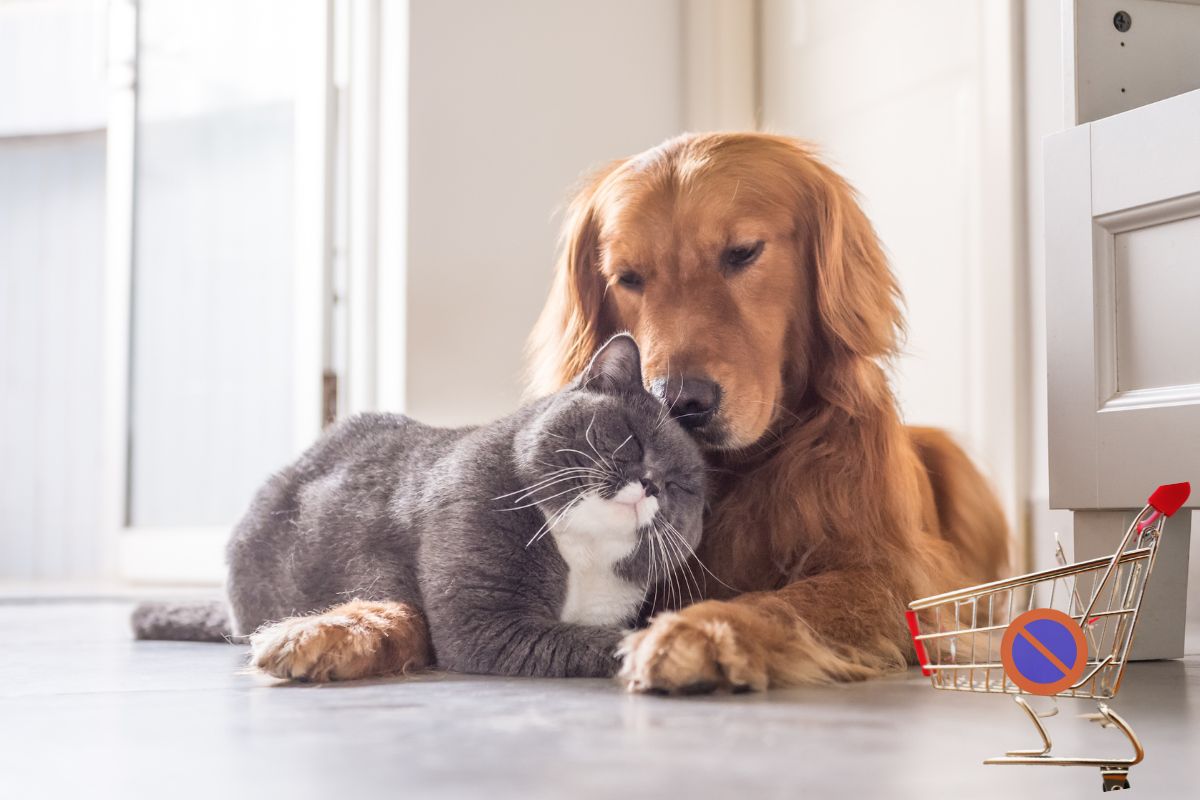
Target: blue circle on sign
(1043, 651)
(1034, 663)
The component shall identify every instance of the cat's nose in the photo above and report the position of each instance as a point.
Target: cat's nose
(649, 488)
(693, 401)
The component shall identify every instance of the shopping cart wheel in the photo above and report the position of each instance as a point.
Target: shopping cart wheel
(1114, 779)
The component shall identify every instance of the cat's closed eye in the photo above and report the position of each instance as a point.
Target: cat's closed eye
(679, 486)
(629, 451)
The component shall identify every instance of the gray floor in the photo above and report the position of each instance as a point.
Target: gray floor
(85, 712)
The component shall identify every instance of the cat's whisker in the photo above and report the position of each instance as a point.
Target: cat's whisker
(578, 466)
(676, 581)
(585, 455)
(545, 499)
(558, 517)
(622, 444)
(644, 540)
(678, 394)
(562, 515)
(546, 485)
(690, 580)
(587, 434)
(703, 566)
(544, 480)
(665, 409)
(661, 572)
(692, 552)
(681, 557)
(552, 519)
(665, 565)
(674, 593)
(651, 545)
(585, 491)
(560, 466)
(681, 416)
(686, 554)
(587, 437)
(533, 503)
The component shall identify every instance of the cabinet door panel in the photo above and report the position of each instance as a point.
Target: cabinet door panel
(1123, 298)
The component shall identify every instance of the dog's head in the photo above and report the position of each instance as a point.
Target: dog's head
(744, 268)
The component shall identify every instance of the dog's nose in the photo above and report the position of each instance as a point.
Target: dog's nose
(692, 401)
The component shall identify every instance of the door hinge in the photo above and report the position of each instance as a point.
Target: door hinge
(329, 398)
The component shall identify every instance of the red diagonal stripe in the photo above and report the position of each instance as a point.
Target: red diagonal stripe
(1041, 648)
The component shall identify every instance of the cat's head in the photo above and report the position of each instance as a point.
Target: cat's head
(604, 452)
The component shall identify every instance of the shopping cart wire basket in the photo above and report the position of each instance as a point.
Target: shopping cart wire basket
(1062, 632)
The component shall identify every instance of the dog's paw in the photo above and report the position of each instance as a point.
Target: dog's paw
(692, 652)
(352, 641)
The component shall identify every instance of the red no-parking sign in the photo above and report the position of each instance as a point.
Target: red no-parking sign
(1043, 651)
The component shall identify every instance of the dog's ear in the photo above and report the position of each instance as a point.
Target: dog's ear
(574, 321)
(857, 297)
(616, 367)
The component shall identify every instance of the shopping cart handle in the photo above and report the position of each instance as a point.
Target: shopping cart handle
(1168, 498)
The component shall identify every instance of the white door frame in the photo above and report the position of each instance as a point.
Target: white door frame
(370, 251)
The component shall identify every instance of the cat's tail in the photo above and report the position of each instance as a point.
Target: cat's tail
(183, 622)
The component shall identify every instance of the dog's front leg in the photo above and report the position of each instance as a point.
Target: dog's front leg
(837, 626)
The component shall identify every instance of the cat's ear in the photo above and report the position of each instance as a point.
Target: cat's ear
(616, 367)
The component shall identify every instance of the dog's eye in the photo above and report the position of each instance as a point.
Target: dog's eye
(631, 280)
(743, 255)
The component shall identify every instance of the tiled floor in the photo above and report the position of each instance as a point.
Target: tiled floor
(86, 712)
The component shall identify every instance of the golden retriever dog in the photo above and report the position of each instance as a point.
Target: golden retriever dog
(766, 312)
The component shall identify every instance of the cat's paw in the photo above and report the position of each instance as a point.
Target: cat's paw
(354, 640)
(691, 652)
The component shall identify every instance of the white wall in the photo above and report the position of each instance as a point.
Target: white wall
(510, 101)
(897, 111)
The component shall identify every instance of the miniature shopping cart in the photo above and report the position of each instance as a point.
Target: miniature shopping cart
(1063, 632)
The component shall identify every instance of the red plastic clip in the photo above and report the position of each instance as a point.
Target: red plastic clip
(918, 645)
(1169, 497)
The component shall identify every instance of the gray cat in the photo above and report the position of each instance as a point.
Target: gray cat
(529, 544)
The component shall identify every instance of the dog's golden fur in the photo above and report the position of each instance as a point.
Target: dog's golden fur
(828, 514)
(357, 639)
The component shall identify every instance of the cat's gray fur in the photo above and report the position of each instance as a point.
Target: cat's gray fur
(386, 508)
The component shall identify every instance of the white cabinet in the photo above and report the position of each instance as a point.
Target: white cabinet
(1123, 331)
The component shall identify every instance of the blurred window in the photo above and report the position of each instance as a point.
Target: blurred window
(212, 302)
(52, 156)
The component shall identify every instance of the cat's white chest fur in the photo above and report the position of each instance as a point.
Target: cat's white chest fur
(592, 538)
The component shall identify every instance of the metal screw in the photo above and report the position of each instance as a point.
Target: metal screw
(1122, 21)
